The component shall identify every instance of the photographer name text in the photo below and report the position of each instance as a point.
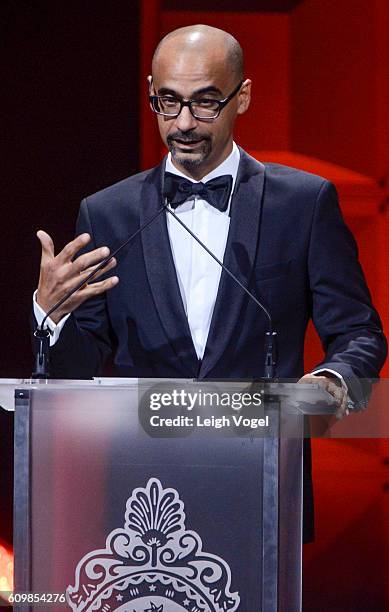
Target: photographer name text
(210, 422)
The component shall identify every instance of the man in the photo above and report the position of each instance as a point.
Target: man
(174, 313)
(282, 234)
(279, 230)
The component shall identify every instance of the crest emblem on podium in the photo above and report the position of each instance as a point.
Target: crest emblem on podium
(153, 564)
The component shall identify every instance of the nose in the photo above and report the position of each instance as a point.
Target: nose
(185, 120)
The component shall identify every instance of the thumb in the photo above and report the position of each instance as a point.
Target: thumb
(47, 244)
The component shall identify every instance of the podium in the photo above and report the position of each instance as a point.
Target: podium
(117, 516)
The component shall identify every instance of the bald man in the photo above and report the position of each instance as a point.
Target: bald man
(279, 230)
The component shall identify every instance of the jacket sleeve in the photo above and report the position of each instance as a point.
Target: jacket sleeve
(347, 323)
(86, 339)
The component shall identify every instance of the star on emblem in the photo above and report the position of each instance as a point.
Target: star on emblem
(152, 587)
(186, 602)
(119, 597)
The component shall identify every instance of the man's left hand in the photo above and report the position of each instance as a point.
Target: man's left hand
(334, 387)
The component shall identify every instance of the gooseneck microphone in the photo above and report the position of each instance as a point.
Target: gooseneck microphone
(271, 334)
(42, 334)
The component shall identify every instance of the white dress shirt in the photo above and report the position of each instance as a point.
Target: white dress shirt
(197, 273)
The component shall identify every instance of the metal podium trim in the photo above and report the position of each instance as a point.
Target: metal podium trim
(22, 494)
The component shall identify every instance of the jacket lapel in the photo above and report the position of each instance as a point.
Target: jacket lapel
(241, 249)
(162, 275)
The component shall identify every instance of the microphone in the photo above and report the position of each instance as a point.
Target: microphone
(42, 334)
(271, 334)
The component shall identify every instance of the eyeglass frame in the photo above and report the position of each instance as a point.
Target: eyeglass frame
(221, 104)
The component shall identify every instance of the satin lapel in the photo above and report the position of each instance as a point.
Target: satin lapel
(241, 248)
(161, 274)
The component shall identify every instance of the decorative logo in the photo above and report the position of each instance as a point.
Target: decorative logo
(154, 564)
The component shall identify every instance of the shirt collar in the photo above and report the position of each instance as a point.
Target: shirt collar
(228, 166)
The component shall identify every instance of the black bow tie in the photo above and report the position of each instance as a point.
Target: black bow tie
(216, 191)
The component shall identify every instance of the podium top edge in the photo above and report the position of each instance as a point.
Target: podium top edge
(303, 392)
(29, 383)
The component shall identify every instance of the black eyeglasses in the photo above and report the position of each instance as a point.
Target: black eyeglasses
(201, 108)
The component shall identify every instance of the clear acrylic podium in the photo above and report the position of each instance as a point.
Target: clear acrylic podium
(122, 520)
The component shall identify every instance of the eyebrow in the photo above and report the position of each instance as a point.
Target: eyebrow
(163, 91)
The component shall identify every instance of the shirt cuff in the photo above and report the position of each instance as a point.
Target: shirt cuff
(350, 403)
(54, 328)
(336, 374)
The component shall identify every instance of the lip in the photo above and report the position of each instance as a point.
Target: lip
(190, 145)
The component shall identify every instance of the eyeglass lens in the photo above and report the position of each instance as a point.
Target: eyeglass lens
(168, 105)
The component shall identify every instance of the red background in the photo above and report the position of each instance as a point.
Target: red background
(320, 84)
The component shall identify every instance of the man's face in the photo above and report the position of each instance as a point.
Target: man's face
(197, 146)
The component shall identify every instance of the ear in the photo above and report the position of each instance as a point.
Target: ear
(150, 86)
(244, 97)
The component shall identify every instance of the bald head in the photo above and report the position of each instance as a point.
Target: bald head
(197, 90)
(217, 44)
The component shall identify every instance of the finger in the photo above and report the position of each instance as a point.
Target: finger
(336, 391)
(99, 287)
(89, 259)
(330, 386)
(342, 410)
(70, 250)
(73, 282)
(47, 245)
(342, 405)
(84, 293)
(85, 273)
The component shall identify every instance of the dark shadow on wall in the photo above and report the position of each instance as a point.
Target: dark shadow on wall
(70, 93)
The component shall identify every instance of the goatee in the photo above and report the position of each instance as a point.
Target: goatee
(189, 159)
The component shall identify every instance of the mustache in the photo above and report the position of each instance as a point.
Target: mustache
(187, 137)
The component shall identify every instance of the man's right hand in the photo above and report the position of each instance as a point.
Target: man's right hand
(59, 274)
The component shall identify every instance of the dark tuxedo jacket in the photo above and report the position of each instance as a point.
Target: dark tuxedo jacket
(287, 243)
